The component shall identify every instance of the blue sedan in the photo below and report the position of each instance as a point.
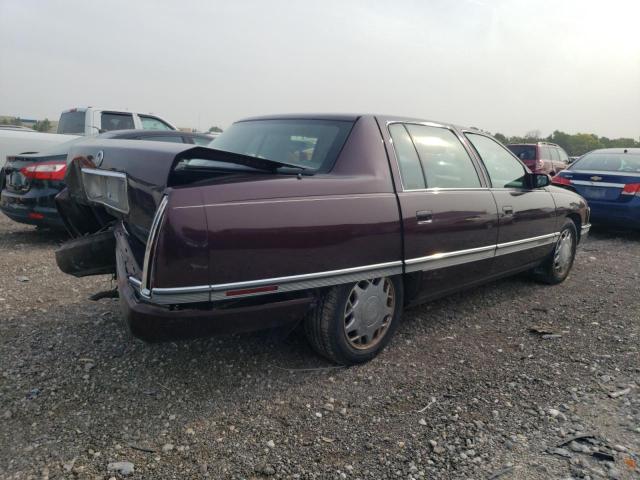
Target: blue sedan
(609, 179)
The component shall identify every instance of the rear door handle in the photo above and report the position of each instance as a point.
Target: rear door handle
(507, 210)
(424, 216)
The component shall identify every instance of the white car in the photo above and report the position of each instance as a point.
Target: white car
(16, 141)
(93, 120)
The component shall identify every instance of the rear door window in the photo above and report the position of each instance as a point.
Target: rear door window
(545, 152)
(563, 156)
(504, 170)
(116, 121)
(408, 161)
(445, 162)
(153, 123)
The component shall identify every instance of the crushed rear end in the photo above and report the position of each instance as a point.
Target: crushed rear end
(116, 206)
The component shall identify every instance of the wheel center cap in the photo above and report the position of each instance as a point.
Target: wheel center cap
(372, 311)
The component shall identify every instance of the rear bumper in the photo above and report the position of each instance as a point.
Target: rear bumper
(616, 214)
(201, 318)
(32, 208)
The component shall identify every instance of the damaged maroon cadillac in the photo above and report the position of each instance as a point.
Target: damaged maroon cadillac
(335, 221)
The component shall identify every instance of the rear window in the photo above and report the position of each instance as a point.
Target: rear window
(72, 123)
(608, 162)
(313, 144)
(523, 152)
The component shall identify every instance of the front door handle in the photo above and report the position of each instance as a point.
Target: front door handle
(424, 216)
(507, 210)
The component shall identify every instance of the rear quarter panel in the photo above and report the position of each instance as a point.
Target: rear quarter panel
(269, 226)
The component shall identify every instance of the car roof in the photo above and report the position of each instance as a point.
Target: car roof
(352, 117)
(150, 133)
(632, 150)
(533, 144)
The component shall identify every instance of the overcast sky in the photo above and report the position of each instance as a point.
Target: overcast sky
(507, 66)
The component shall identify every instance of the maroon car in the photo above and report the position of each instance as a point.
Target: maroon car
(541, 157)
(338, 221)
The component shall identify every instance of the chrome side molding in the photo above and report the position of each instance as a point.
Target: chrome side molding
(226, 291)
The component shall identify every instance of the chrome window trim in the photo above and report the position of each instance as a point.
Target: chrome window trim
(145, 287)
(215, 292)
(107, 173)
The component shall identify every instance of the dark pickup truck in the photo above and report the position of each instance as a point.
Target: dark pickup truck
(338, 221)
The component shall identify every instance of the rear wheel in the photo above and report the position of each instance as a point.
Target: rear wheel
(555, 269)
(353, 323)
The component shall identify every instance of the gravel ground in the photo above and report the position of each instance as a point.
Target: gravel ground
(466, 389)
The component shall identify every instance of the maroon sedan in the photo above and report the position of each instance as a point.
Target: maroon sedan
(338, 221)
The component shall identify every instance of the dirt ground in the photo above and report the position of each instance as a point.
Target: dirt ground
(465, 390)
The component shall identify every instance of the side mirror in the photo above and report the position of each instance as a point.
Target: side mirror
(539, 180)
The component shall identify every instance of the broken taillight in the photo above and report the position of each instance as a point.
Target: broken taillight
(45, 171)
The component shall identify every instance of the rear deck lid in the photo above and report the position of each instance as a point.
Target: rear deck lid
(22, 172)
(606, 175)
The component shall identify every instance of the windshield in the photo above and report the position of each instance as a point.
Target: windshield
(72, 122)
(608, 162)
(312, 144)
(523, 152)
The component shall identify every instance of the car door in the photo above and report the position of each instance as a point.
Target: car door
(449, 216)
(527, 215)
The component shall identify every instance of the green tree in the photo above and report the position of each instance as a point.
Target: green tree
(501, 138)
(215, 130)
(42, 126)
(11, 121)
(581, 143)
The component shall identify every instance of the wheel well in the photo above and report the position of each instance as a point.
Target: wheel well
(575, 218)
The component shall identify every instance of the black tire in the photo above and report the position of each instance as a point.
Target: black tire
(325, 325)
(549, 270)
